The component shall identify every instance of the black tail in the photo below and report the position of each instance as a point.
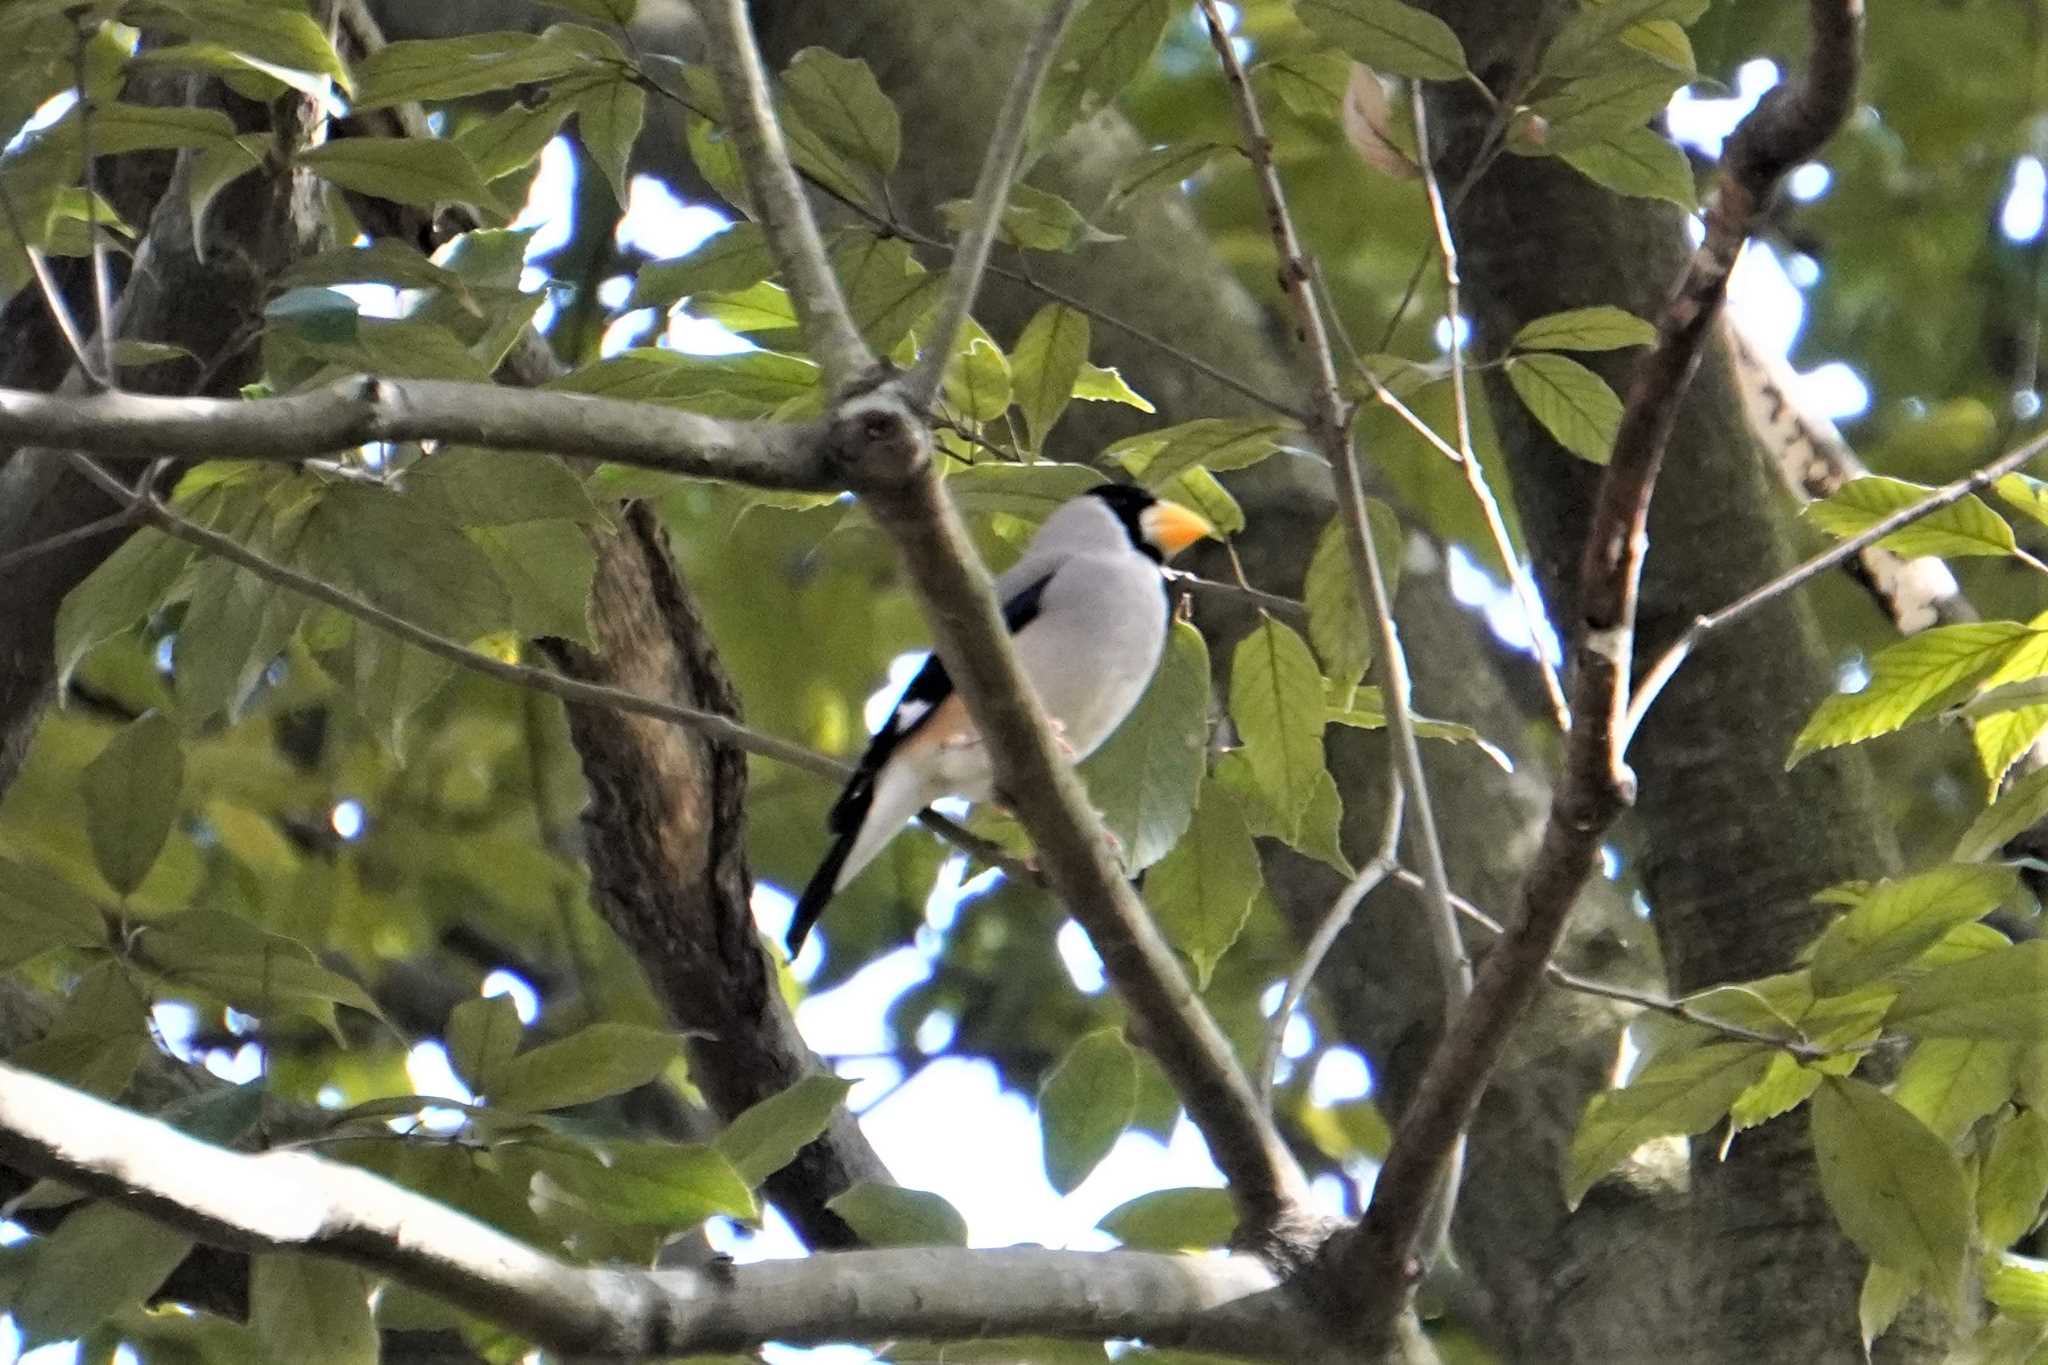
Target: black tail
(819, 893)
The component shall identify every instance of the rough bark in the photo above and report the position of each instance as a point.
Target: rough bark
(666, 832)
(1730, 845)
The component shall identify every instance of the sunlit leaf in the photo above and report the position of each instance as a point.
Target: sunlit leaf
(595, 1061)
(655, 1184)
(1573, 404)
(1599, 328)
(1998, 995)
(1276, 702)
(1911, 680)
(1035, 219)
(1900, 919)
(891, 1216)
(450, 68)
(1185, 1219)
(1950, 1083)
(1201, 893)
(2014, 1179)
(768, 1135)
(732, 259)
(1967, 527)
(1388, 36)
(422, 171)
(1686, 1094)
(1044, 366)
(1633, 161)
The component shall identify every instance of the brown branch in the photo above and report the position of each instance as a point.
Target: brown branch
(1374, 1262)
(778, 196)
(297, 1202)
(362, 408)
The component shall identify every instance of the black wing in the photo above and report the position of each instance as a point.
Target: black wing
(927, 691)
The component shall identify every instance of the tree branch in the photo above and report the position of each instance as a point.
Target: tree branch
(1468, 459)
(1668, 663)
(1374, 1261)
(293, 1201)
(779, 197)
(991, 197)
(363, 408)
(1331, 427)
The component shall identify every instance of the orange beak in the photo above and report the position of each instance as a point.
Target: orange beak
(1173, 527)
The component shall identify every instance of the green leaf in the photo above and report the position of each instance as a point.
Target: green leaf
(1885, 1293)
(512, 138)
(244, 966)
(1338, 625)
(1030, 491)
(1950, 1083)
(977, 376)
(1634, 161)
(1601, 328)
(1216, 444)
(98, 1037)
(1786, 1085)
(405, 558)
(2018, 1287)
(132, 793)
(730, 260)
(593, 1062)
(1622, 95)
(471, 487)
(759, 310)
(1968, 527)
(1084, 1106)
(840, 98)
(1104, 384)
(1998, 995)
(768, 1135)
(618, 12)
(2022, 806)
(305, 1308)
(320, 315)
(450, 68)
(887, 290)
(385, 261)
(139, 128)
(1312, 84)
(483, 1036)
(1201, 893)
(1144, 779)
(422, 171)
(129, 584)
(272, 33)
(2026, 493)
(655, 1184)
(2014, 1180)
(548, 567)
(1608, 21)
(1670, 1097)
(1276, 702)
(1161, 168)
(891, 1216)
(1912, 680)
(1388, 36)
(1899, 920)
(100, 1260)
(1034, 219)
(1573, 404)
(1895, 1188)
(1188, 1219)
(608, 119)
(1044, 366)
(1108, 43)
(39, 911)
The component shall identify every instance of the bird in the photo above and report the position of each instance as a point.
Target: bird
(1087, 613)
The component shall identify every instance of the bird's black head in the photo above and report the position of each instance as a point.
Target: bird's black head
(1130, 504)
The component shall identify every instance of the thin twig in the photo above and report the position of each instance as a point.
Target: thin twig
(991, 197)
(1594, 785)
(1289, 607)
(1318, 947)
(102, 273)
(1668, 663)
(1331, 427)
(139, 505)
(778, 195)
(35, 549)
(1607, 990)
(1519, 579)
(53, 298)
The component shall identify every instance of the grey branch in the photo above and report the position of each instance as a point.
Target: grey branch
(778, 196)
(991, 197)
(360, 409)
(294, 1201)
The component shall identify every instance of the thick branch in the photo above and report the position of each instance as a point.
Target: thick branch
(1375, 1259)
(779, 196)
(357, 410)
(292, 1201)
